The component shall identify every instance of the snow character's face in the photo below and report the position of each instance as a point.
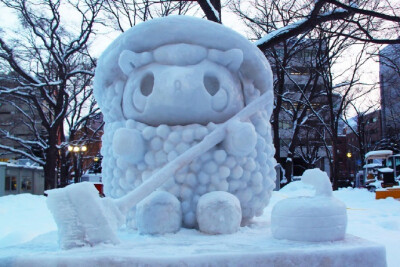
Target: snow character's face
(176, 93)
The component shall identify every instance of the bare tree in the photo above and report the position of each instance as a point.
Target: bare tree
(124, 14)
(52, 73)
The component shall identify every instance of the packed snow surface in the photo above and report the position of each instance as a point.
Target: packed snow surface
(318, 218)
(27, 228)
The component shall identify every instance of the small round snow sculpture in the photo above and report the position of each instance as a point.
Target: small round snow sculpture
(219, 212)
(317, 219)
(159, 213)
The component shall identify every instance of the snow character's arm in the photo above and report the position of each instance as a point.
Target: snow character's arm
(129, 144)
(241, 138)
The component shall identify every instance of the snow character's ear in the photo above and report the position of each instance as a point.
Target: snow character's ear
(232, 59)
(129, 60)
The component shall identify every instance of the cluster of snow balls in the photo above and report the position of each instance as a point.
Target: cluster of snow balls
(250, 178)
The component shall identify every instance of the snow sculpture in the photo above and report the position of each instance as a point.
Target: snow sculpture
(166, 84)
(319, 218)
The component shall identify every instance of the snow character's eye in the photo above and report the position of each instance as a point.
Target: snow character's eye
(211, 84)
(219, 95)
(140, 94)
(147, 83)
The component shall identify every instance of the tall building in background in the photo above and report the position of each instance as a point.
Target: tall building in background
(389, 74)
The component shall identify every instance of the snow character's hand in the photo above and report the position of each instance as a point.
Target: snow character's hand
(241, 138)
(129, 144)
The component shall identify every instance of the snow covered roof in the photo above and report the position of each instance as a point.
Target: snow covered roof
(20, 166)
(385, 170)
(378, 154)
(372, 165)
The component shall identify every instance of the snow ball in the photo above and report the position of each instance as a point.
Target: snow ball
(174, 137)
(189, 220)
(122, 163)
(200, 133)
(246, 176)
(256, 179)
(195, 166)
(161, 157)
(201, 189)
(128, 143)
(182, 147)
(180, 178)
(172, 155)
(163, 131)
(245, 195)
(237, 172)
(191, 180)
(146, 175)
(204, 178)
(186, 205)
(156, 144)
(224, 172)
(219, 156)
(149, 158)
(230, 162)
(117, 173)
(223, 186)
(218, 213)
(159, 213)
(211, 126)
(148, 132)
(205, 157)
(250, 165)
(130, 124)
(168, 147)
(215, 179)
(141, 166)
(234, 186)
(210, 167)
(187, 135)
(186, 192)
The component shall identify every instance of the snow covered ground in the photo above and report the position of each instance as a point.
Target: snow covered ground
(26, 226)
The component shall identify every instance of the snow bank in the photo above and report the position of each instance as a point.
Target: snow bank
(25, 217)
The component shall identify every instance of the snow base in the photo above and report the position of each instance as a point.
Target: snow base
(189, 248)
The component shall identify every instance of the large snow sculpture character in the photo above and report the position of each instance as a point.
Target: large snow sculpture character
(166, 84)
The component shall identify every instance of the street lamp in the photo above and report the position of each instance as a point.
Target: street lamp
(77, 151)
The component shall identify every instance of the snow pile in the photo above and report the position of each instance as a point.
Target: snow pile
(219, 213)
(22, 218)
(159, 207)
(319, 218)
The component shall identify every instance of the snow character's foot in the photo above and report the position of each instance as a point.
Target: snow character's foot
(219, 212)
(159, 213)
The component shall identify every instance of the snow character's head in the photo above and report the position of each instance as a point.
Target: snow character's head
(181, 84)
(166, 84)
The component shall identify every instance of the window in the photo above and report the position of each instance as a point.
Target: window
(11, 183)
(26, 184)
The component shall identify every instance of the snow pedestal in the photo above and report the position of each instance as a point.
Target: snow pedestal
(188, 248)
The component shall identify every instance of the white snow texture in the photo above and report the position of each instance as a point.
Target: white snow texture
(162, 87)
(160, 206)
(315, 219)
(82, 217)
(219, 212)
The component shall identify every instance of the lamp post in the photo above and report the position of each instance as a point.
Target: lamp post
(77, 152)
(348, 155)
